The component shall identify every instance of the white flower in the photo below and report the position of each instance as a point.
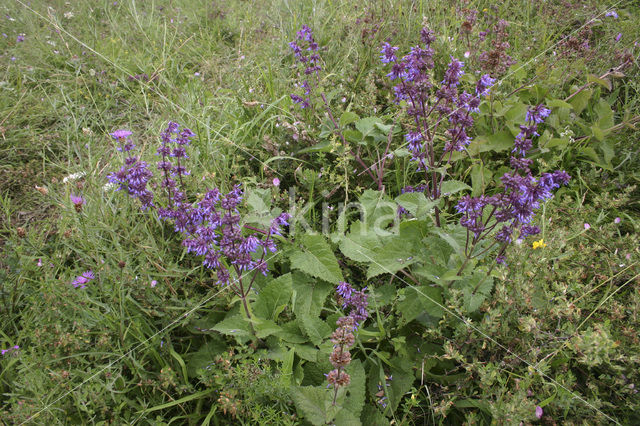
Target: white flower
(73, 176)
(109, 186)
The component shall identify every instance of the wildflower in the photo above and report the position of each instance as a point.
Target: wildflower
(20, 38)
(78, 202)
(616, 220)
(587, 226)
(539, 412)
(39, 262)
(122, 136)
(10, 350)
(539, 244)
(83, 279)
(276, 182)
(618, 37)
(612, 13)
(154, 283)
(73, 176)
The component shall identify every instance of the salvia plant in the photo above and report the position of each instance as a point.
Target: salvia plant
(440, 247)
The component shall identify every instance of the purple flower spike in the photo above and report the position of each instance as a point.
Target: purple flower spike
(388, 53)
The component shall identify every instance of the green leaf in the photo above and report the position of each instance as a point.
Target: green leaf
(497, 142)
(316, 329)
(291, 333)
(453, 186)
(317, 259)
(482, 286)
(392, 257)
(360, 244)
(416, 203)
(311, 401)
(378, 210)
(325, 146)
(581, 100)
(416, 301)
(356, 389)
(558, 103)
(307, 352)
(605, 114)
(516, 113)
(347, 118)
(205, 355)
(480, 178)
(273, 298)
(309, 295)
(234, 325)
(287, 364)
(265, 328)
(604, 82)
(367, 125)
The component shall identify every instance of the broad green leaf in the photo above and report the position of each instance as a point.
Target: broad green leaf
(453, 186)
(516, 113)
(378, 210)
(315, 328)
(396, 254)
(416, 203)
(317, 259)
(234, 325)
(476, 289)
(558, 103)
(356, 389)
(287, 364)
(310, 400)
(344, 417)
(497, 142)
(607, 151)
(324, 146)
(309, 295)
(265, 328)
(290, 332)
(273, 298)
(480, 178)
(581, 100)
(204, 356)
(347, 118)
(360, 244)
(604, 82)
(605, 114)
(307, 352)
(419, 301)
(367, 125)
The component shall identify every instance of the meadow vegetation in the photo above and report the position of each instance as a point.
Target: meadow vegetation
(319, 212)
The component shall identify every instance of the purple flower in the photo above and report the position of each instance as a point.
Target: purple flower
(618, 37)
(539, 412)
(77, 201)
(355, 301)
(121, 134)
(612, 14)
(388, 53)
(537, 114)
(20, 38)
(453, 73)
(83, 279)
(484, 84)
(276, 182)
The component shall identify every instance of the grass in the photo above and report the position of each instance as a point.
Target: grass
(119, 353)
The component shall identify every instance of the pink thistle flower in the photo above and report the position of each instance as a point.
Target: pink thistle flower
(78, 202)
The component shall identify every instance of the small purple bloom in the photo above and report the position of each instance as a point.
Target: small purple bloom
(539, 412)
(20, 38)
(276, 182)
(388, 53)
(618, 37)
(617, 220)
(612, 13)
(587, 226)
(121, 134)
(83, 279)
(77, 201)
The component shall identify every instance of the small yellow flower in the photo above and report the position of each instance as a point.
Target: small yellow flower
(539, 244)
